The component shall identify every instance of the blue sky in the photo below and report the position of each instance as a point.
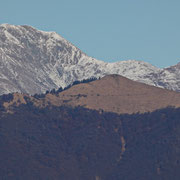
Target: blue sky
(109, 30)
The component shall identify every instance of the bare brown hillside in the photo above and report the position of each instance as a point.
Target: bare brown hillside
(113, 93)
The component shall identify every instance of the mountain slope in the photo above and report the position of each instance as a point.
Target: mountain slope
(112, 93)
(118, 94)
(63, 143)
(33, 61)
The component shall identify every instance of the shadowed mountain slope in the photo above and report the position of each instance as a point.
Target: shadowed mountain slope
(63, 143)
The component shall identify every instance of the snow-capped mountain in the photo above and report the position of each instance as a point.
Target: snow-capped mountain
(33, 61)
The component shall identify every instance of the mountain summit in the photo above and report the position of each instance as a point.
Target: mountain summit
(34, 61)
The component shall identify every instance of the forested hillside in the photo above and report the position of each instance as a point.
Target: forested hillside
(66, 143)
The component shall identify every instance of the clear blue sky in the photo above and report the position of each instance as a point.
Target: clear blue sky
(109, 30)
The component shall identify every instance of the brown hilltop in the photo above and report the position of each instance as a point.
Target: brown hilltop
(113, 93)
(118, 94)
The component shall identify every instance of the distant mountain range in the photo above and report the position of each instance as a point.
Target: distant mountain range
(34, 61)
(107, 128)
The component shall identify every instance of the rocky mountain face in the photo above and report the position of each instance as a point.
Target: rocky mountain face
(33, 61)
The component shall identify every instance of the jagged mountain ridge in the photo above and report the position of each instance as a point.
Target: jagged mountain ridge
(33, 61)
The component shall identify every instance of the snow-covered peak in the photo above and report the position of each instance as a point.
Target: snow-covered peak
(6, 26)
(33, 61)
